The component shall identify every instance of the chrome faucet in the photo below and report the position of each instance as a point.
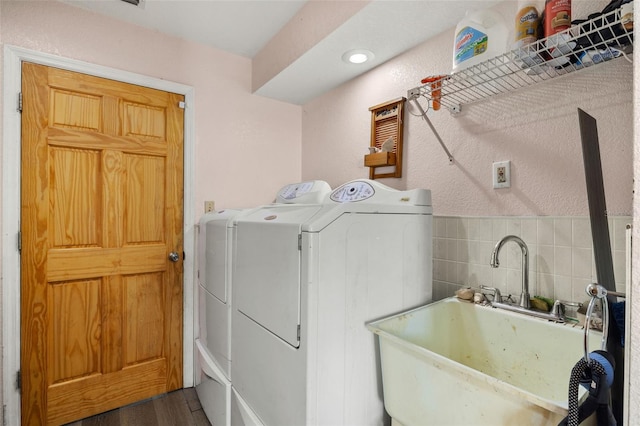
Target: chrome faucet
(525, 301)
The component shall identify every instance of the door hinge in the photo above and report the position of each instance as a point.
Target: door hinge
(299, 242)
(181, 105)
(298, 332)
(20, 102)
(19, 241)
(18, 380)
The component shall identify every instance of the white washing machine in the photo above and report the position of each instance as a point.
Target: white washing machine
(306, 280)
(213, 346)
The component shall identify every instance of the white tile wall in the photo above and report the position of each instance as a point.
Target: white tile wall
(561, 262)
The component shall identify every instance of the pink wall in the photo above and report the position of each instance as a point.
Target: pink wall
(247, 146)
(536, 128)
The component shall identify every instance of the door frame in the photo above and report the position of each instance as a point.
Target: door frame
(11, 153)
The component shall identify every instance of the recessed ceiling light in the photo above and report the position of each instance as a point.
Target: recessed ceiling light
(357, 56)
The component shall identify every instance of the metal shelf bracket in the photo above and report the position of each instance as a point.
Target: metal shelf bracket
(413, 97)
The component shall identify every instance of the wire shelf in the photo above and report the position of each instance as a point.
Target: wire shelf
(587, 43)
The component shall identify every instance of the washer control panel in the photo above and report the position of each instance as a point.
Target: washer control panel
(352, 192)
(310, 192)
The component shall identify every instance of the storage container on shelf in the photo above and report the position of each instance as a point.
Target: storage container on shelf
(481, 35)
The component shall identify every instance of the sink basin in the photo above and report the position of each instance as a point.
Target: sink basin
(456, 363)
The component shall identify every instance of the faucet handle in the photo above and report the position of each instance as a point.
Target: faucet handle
(497, 297)
(558, 309)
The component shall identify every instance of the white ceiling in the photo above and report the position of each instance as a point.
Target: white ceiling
(244, 27)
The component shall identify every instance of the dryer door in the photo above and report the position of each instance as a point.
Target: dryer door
(266, 279)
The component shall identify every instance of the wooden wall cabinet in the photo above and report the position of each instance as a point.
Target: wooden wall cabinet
(387, 122)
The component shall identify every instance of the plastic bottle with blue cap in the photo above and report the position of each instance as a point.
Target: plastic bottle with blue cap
(480, 36)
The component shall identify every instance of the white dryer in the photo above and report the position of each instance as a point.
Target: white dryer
(306, 280)
(212, 346)
(213, 356)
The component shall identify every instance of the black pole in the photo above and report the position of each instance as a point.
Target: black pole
(602, 248)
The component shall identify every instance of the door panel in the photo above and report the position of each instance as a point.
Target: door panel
(144, 318)
(75, 330)
(144, 188)
(101, 210)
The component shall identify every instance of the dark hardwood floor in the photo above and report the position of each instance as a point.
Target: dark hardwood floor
(178, 408)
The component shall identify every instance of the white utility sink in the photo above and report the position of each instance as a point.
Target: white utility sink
(456, 363)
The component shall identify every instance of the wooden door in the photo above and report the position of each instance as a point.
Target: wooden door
(102, 193)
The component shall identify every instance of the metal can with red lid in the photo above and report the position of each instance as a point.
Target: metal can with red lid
(557, 16)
